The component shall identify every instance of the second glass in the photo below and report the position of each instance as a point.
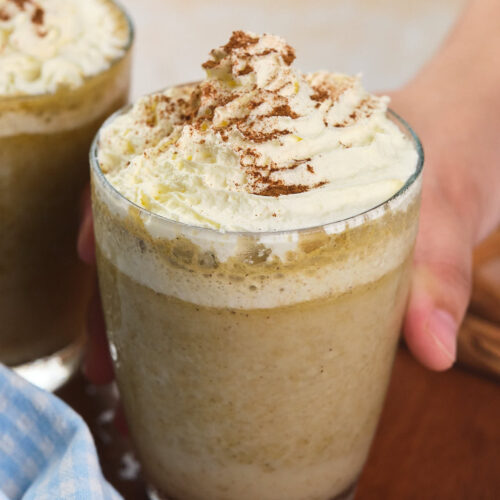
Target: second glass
(44, 143)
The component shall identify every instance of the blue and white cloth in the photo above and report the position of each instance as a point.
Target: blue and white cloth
(46, 449)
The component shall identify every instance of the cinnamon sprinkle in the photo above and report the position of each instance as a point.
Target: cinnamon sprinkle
(279, 188)
(38, 16)
(282, 110)
(292, 166)
(198, 112)
(320, 94)
(21, 3)
(254, 104)
(364, 110)
(239, 40)
(267, 52)
(209, 64)
(289, 57)
(245, 71)
(260, 137)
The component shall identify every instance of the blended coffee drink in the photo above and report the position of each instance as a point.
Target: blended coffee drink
(254, 235)
(64, 67)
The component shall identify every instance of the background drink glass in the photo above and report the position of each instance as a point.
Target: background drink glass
(44, 143)
(253, 365)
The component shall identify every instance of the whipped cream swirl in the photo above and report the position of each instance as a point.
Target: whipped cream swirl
(257, 145)
(47, 44)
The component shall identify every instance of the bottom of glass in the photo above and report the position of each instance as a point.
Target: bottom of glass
(52, 371)
(347, 494)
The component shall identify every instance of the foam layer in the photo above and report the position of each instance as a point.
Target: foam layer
(49, 44)
(257, 145)
(260, 271)
(66, 109)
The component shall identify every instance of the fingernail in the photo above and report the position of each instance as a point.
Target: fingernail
(443, 328)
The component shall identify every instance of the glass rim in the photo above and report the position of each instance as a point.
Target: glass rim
(113, 63)
(96, 168)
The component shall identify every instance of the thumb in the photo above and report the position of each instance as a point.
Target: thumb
(441, 284)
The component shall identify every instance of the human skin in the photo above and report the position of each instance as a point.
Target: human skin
(454, 106)
(458, 120)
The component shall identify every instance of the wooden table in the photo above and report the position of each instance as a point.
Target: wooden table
(439, 437)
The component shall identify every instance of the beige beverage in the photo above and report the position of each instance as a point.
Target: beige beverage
(252, 364)
(52, 101)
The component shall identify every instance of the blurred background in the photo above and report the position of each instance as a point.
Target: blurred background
(385, 40)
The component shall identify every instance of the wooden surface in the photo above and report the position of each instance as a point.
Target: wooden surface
(439, 437)
(479, 337)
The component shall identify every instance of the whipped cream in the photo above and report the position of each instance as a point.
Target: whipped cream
(46, 44)
(257, 145)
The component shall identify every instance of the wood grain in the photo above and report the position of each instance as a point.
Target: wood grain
(439, 437)
(479, 337)
(479, 345)
(485, 300)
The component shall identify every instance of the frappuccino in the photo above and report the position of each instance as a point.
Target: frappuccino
(64, 67)
(254, 235)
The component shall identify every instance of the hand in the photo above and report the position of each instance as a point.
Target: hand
(460, 207)
(454, 106)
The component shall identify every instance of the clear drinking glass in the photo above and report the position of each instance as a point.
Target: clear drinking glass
(44, 143)
(253, 365)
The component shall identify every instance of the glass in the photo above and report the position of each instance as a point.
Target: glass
(253, 365)
(44, 143)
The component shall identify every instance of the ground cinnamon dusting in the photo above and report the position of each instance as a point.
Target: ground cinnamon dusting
(320, 94)
(279, 188)
(293, 165)
(209, 64)
(38, 16)
(21, 3)
(282, 110)
(199, 109)
(239, 40)
(245, 71)
(260, 137)
(289, 57)
(364, 110)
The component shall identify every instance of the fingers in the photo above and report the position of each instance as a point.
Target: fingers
(97, 367)
(86, 242)
(441, 283)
